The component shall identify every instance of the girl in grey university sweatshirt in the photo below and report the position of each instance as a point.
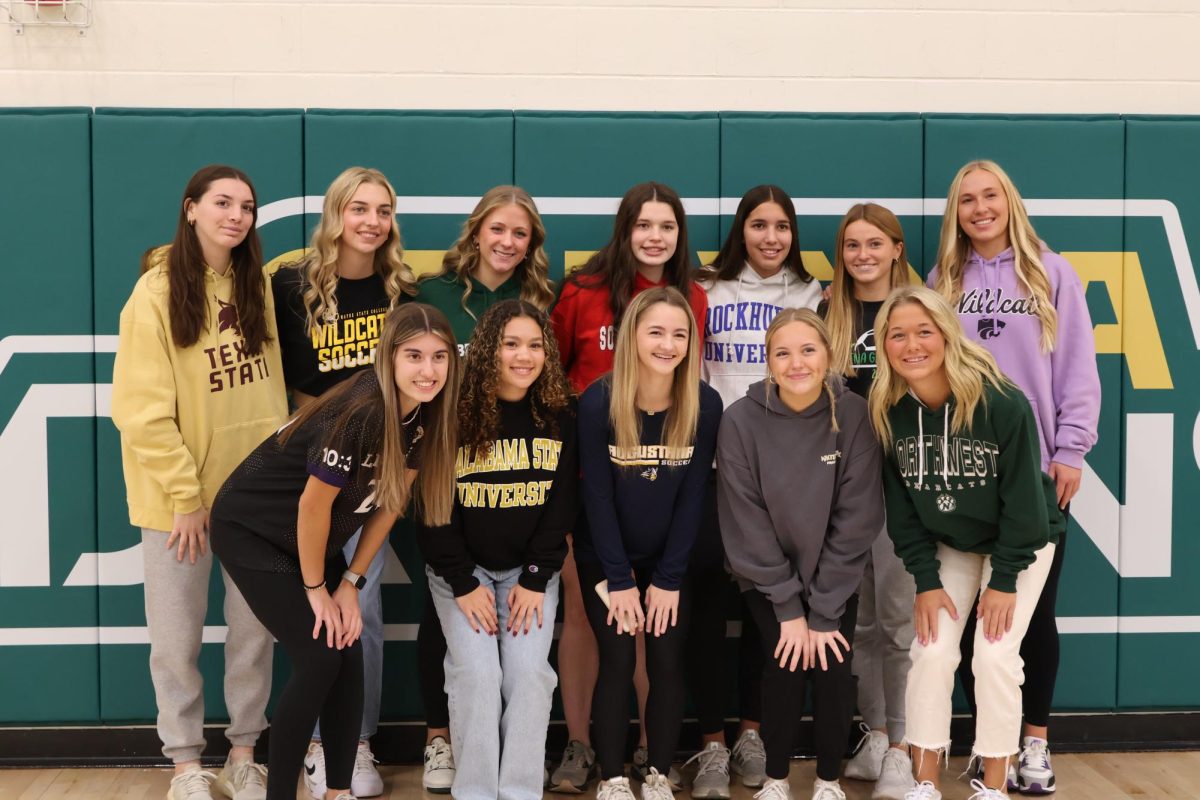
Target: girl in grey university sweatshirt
(800, 503)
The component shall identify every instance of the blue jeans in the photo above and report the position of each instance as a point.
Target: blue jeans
(370, 602)
(500, 689)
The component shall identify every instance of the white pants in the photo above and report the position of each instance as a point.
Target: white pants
(999, 670)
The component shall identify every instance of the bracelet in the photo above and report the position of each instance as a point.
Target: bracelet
(311, 588)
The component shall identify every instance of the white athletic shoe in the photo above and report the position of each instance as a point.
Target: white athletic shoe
(365, 781)
(191, 785)
(439, 767)
(984, 793)
(924, 790)
(827, 790)
(895, 776)
(614, 789)
(656, 786)
(774, 789)
(242, 780)
(314, 770)
(868, 756)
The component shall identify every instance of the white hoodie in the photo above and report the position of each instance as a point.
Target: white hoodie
(735, 330)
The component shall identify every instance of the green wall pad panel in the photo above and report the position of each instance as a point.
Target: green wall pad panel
(1160, 553)
(141, 161)
(579, 165)
(48, 601)
(1065, 168)
(826, 163)
(439, 162)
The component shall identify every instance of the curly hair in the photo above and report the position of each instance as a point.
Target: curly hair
(478, 408)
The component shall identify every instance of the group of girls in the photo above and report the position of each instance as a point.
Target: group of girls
(646, 447)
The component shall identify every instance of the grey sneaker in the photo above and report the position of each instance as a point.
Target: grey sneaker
(712, 773)
(868, 755)
(575, 772)
(774, 789)
(191, 785)
(242, 780)
(750, 759)
(640, 768)
(439, 771)
(895, 776)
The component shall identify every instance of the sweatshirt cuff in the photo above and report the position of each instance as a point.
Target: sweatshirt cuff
(463, 585)
(1003, 582)
(188, 505)
(534, 578)
(822, 624)
(789, 609)
(1070, 458)
(928, 581)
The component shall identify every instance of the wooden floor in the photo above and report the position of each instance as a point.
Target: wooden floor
(1097, 776)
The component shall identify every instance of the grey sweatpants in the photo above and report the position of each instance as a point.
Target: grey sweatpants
(176, 603)
(883, 637)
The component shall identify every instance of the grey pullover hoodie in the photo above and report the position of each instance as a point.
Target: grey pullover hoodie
(800, 504)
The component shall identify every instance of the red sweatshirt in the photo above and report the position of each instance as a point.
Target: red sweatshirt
(582, 321)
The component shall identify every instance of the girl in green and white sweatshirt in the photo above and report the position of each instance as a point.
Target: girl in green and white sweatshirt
(970, 512)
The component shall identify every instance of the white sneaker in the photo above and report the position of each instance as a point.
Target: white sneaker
(191, 785)
(895, 776)
(984, 793)
(827, 790)
(345, 796)
(868, 755)
(774, 789)
(1034, 774)
(656, 786)
(314, 770)
(242, 780)
(924, 790)
(439, 767)
(365, 781)
(614, 789)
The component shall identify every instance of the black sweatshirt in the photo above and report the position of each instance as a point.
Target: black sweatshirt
(643, 509)
(515, 504)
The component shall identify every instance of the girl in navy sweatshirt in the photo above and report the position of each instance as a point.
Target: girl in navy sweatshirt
(494, 568)
(647, 434)
(1026, 305)
(800, 504)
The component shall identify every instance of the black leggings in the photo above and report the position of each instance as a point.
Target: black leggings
(431, 666)
(1039, 650)
(614, 684)
(707, 642)
(833, 696)
(326, 683)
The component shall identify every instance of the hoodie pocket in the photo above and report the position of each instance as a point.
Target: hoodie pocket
(227, 447)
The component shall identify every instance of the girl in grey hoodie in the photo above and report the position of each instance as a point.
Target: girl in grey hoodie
(800, 504)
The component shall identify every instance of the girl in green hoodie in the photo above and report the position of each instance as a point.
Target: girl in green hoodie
(970, 512)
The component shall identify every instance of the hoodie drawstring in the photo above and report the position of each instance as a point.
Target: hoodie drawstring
(921, 447)
(946, 446)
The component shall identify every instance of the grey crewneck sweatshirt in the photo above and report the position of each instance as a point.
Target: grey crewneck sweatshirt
(799, 503)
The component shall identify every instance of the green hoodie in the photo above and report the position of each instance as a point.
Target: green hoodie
(979, 491)
(445, 293)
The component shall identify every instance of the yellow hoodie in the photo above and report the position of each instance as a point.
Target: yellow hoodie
(188, 416)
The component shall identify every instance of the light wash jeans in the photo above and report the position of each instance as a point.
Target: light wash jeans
(883, 638)
(998, 668)
(370, 603)
(500, 689)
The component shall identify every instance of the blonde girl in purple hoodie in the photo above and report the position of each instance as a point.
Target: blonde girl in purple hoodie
(1025, 304)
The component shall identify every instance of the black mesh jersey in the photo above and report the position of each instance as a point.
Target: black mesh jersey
(254, 514)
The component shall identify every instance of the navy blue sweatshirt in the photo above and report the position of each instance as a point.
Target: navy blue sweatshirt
(643, 509)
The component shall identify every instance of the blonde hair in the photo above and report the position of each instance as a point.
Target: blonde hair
(679, 429)
(318, 268)
(810, 318)
(843, 309)
(433, 491)
(968, 366)
(955, 247)
(533, 272)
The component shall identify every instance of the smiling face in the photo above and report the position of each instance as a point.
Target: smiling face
(367, 219)
(798, 361)
(420, 366)
(916, 348)
(221, 217)
(522, 355)
(868, 254)
(768, 237)
(655, 234)
(983, 212)
(503, 241)
(662, 338)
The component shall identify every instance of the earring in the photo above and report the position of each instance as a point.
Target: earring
(191, 221)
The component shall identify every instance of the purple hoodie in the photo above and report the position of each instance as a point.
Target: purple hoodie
(1063, 386)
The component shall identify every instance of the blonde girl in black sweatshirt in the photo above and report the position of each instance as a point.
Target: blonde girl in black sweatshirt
(971, 513)
(800, 504)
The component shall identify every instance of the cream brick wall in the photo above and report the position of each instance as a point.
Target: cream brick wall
(655, 55)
